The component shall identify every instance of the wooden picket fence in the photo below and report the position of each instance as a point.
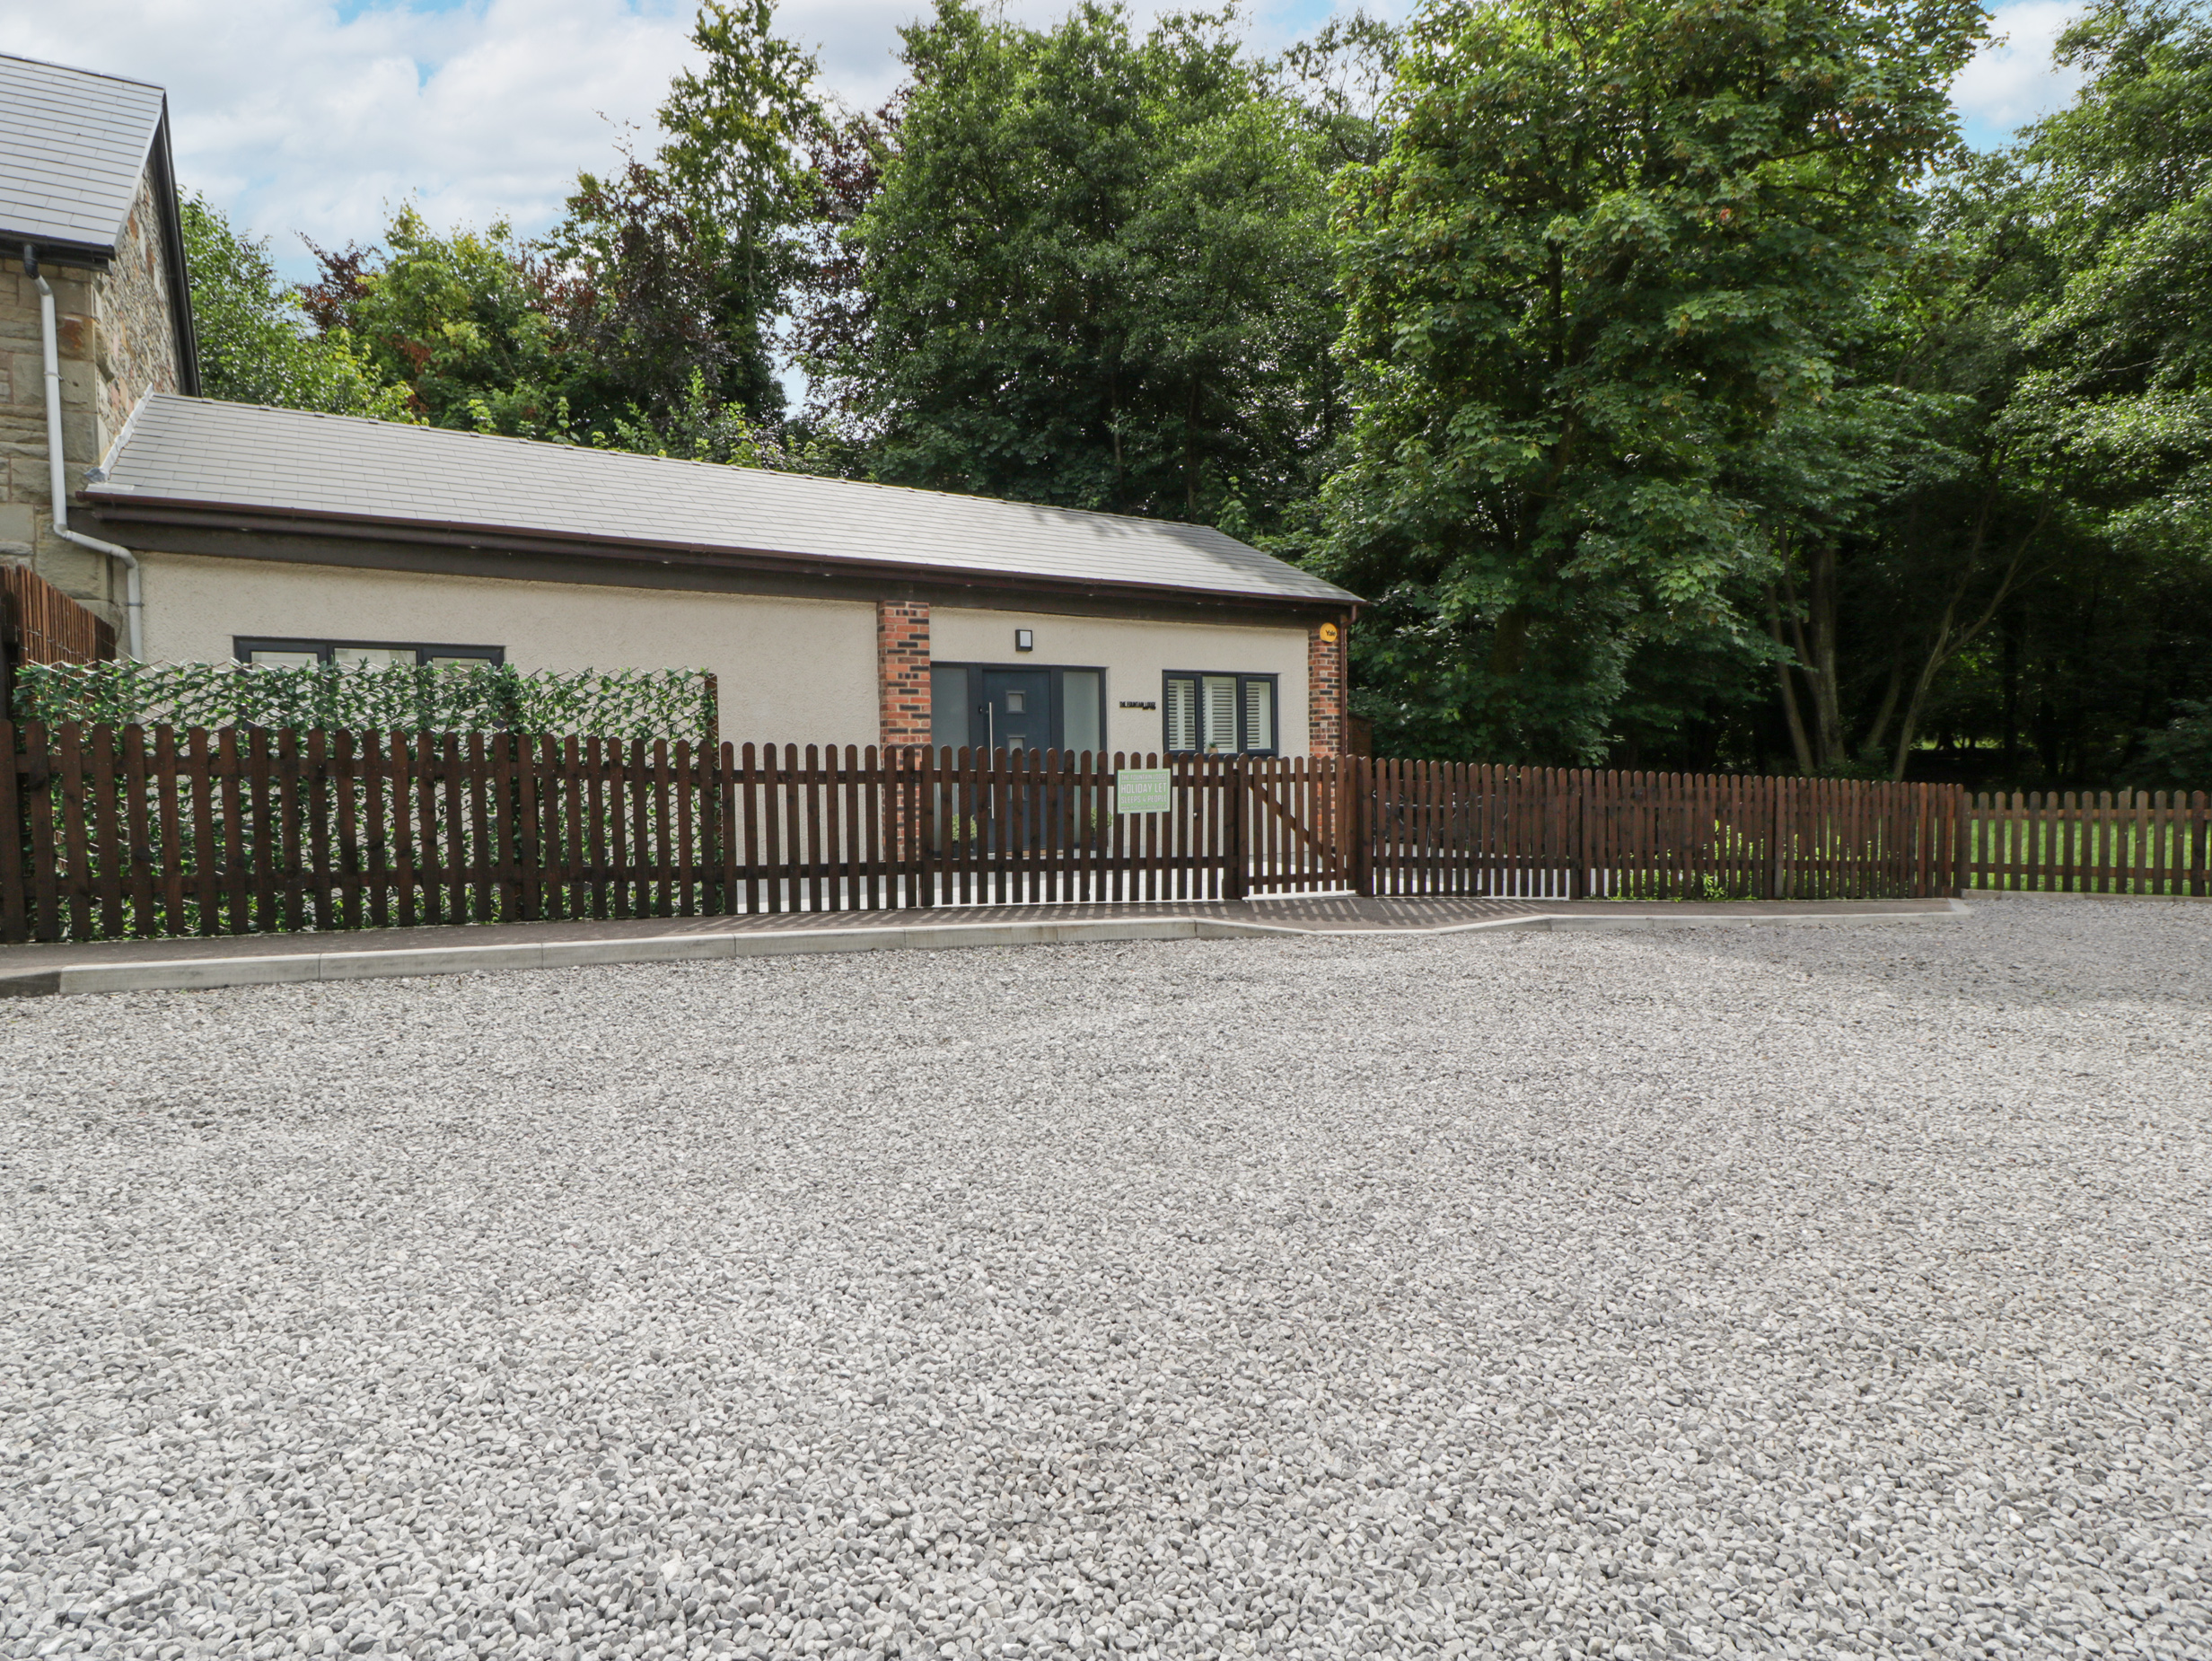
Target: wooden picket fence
(148, 832)
(2091, 842)
(152, 831)
(1539, 833)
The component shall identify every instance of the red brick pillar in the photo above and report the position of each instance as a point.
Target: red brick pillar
(902, 673)
(1326, 687)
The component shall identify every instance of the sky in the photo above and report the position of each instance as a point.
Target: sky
(305, 118)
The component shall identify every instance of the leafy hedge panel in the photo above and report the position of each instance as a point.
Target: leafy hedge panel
(492, 697)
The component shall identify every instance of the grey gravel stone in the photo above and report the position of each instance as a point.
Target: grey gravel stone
(1806, 1293)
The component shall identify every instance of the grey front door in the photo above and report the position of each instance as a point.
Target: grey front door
(1017, 709)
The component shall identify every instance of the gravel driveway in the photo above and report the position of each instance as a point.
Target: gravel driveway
(1811, 1290)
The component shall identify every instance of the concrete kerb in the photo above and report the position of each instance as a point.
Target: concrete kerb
(199, 974)
(1557, 922)
(1955, 910)
(2072, 893)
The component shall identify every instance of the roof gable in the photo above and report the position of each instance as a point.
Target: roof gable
(201, 454)
(73, 147)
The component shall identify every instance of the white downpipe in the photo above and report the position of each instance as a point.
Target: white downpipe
(134, 604)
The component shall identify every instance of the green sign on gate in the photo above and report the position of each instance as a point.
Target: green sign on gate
(1142, 790)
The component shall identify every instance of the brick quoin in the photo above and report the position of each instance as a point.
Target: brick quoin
(1325, 687)
(902, 671)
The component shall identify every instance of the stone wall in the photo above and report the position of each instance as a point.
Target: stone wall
(136, 342)
(24, 494)
(117, 342)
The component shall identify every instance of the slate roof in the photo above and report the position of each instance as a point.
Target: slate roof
(73, 147)
(201, 454)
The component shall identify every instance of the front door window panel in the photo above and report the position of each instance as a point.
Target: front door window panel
(986, 707)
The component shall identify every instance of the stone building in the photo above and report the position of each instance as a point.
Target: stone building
(86, 186)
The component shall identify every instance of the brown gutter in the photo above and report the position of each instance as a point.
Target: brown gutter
(136, 508)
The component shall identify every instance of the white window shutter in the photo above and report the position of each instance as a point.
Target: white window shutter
(1260, 715)
(1182, 714)
(1220, 714)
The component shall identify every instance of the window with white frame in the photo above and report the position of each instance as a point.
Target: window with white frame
(1219, 714)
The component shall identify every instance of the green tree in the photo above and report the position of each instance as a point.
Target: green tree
(1088, 270)
(645, 319)
(1900, 522)
(2119, 389)
(736, 159)
(2036, 575)
(2179, 755)
(644, 306)
(470, 323)
(668, 278)
(1613, 250)
(700, 426)
(257, 344)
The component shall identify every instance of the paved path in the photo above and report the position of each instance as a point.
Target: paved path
(151, 965)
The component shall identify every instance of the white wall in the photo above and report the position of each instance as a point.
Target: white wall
(789, 671)
(1135, 656)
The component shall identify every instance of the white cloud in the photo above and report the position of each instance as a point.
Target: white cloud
(302, 115)
(2012, 80)
(296, 118)
(309, 117)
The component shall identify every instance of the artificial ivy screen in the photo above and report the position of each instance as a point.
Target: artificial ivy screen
(491, 697)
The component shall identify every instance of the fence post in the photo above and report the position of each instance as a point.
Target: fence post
(2193, 832)
(1779, 817)
(1339, 823)
(1577, 833)
(712, 854)
(14, 912)
(1928, 869)
(1961, 846)
(925, 852)
(1235, 884)
(1359, 822)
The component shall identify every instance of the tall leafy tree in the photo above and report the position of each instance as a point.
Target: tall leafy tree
(2120, 380)
(2036, 576)
(470, 322)
(2115, 408)
(646, 318)
(1088, 269)
(644, 306)
(1900, 521)
(256, 342)
(737, 162)
(1610, 252)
